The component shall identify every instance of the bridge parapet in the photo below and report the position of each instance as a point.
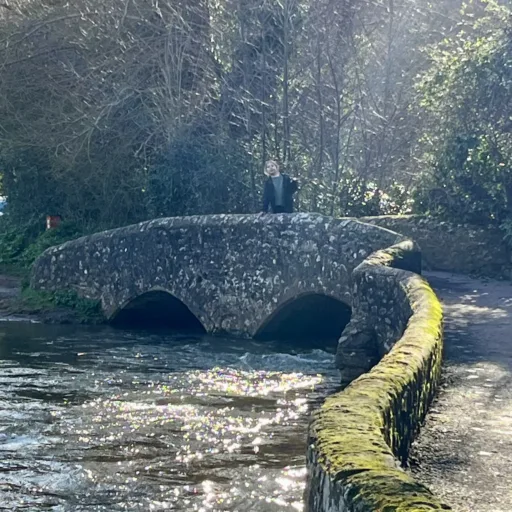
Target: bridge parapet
(360, 436)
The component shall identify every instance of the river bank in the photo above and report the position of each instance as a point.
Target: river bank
(19, 304)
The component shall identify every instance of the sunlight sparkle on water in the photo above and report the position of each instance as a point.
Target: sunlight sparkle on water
(207, 415)
(157, 428)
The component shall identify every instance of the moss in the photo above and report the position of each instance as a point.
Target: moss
(358, 434)
(86, 308)
(390, 492)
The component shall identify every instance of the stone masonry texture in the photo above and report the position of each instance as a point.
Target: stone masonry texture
(360, 435)
(451, 247)
(233, 272)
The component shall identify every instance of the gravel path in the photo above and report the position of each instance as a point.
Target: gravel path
(464, 452)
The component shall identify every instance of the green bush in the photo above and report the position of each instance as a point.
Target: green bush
(20, 245)
(47, 239)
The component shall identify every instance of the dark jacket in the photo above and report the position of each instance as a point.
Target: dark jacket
(290, 186)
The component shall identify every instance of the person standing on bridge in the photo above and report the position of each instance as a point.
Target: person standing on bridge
(278, 190)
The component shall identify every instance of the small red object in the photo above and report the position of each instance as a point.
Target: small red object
(53, 221)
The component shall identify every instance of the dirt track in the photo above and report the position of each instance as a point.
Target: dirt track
(464, 452)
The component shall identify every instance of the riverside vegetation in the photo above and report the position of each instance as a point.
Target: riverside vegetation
(18, 250)
(117, 112)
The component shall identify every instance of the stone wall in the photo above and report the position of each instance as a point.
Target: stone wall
(451, 247)
(359, 436)
(234, 273)
(380, 310)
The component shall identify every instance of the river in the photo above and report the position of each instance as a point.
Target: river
(98, 419)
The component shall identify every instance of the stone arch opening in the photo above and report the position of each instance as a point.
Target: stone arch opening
(308, 318)
(157, 309)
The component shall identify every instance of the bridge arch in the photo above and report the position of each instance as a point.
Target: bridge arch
(308, 316)
(156, 308)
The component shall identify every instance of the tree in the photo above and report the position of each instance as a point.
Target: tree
(104, 92)
(468, 146)
(120, 110)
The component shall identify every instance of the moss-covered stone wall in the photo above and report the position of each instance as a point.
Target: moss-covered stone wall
(453, 247)
(361, 435)
(381, 310)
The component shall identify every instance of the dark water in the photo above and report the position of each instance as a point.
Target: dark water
(106, 420)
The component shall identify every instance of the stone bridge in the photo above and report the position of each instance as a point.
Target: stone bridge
(249, 275)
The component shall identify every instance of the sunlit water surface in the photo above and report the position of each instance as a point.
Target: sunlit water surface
(106, 420)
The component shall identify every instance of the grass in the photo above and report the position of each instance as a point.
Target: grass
(36, 302)
(20, 246)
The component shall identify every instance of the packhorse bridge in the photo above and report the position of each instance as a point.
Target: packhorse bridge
(309, 275)
(241, 274)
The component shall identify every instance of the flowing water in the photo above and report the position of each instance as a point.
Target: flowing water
(97, 419)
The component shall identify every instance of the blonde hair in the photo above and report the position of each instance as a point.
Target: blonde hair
(271, 161)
